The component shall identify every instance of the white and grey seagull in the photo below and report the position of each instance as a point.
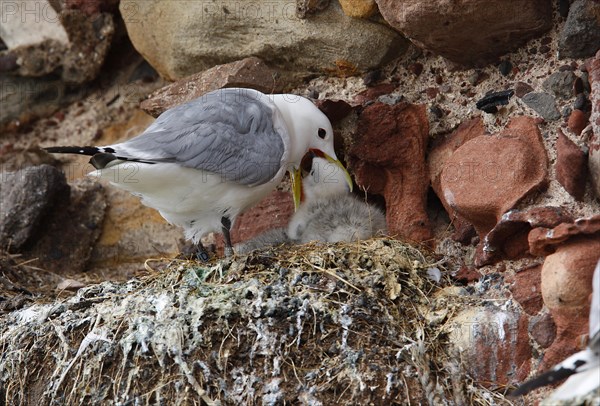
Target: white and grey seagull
(582, 369)
(204, 162)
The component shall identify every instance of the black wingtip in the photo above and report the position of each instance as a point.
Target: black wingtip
(544, 379)
(73, 150)
(102, 159)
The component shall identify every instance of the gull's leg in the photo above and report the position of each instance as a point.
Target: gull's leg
(226, 226)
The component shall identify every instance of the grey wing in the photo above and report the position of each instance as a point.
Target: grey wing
(235, 133)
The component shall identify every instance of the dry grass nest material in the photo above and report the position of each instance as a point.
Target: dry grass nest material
(342, 324)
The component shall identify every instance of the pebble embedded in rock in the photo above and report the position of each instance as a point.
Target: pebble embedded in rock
(544, 241)
(505, 67)
(490, 102)
(560, 84)
(582, 103)
(71, 230)
(372, 77)
(335, 110)
(543, 104)
(578, 86)
(509, 238)
(181, 38)
(522, 88)
(593, 68)
(563, 8)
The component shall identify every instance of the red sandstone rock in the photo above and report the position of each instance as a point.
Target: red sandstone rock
(489, 175)
(593, 67)
(571, 166)
(526, 288)
(443, 147)
(494, 343)
(509, 238)
(469, 32)
(441, 150)
(544, 241)
(388, 158)
(249, 73)
(578, 120)
(566, 287)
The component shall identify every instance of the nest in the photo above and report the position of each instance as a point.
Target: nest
(343, 324)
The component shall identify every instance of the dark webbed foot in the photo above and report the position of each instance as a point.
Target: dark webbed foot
(192, 251)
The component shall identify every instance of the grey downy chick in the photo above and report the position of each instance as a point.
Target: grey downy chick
(271, 238)
(329, 212)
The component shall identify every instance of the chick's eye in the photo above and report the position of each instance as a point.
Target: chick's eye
(322, 133)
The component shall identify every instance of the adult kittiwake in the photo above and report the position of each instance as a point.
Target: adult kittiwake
(204, 162)
(582, 368)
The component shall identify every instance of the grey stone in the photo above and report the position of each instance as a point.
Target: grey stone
(560, 84)
(70, 231)
(26, 196)
(24, 98)
(580, 36)
(543, 104)
(182, 38)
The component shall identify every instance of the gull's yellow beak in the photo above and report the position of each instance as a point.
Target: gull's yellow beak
(296, 176)
(339, 164)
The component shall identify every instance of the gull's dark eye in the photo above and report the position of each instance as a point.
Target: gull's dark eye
(322, 133)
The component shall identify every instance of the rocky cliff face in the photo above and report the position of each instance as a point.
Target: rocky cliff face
(475, 124)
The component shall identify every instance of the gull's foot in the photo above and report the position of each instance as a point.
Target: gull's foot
(193, 252)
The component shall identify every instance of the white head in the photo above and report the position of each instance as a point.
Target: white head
(309, 128)
(310, 131)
